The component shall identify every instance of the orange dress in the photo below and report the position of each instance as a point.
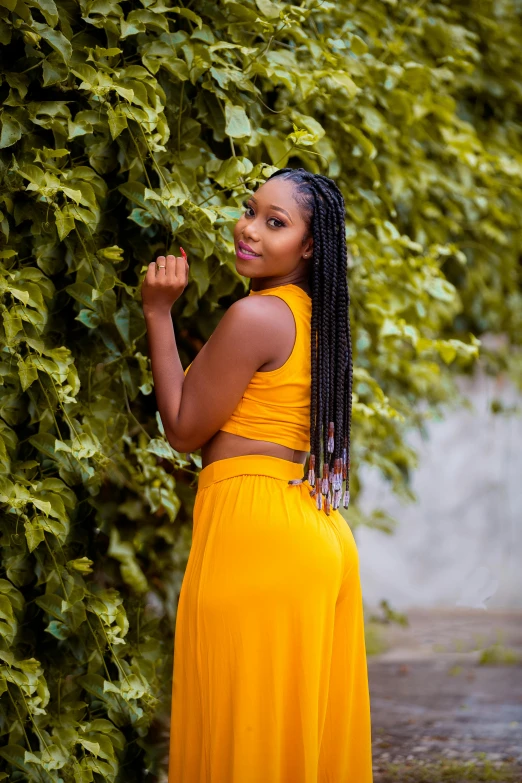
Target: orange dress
(270, 676)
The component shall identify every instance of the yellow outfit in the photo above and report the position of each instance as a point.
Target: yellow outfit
(270, 676)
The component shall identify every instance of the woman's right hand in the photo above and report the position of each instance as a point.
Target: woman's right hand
(165, 281)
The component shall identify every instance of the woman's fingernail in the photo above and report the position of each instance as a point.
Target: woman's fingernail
(183, 253)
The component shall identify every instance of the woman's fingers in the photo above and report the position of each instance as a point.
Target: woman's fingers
(169, 269)
(185, 265)
(176, 268)
(151, 272)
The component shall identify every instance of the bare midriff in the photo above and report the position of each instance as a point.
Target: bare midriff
(224, 444)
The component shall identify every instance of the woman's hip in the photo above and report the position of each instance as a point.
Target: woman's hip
(254, 532)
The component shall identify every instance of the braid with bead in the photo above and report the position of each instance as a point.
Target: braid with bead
(331, 349)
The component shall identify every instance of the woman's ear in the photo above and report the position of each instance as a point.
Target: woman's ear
(308, 248)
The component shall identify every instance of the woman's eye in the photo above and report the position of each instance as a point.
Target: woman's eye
(249, 212)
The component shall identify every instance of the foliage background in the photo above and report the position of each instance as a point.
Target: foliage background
(130, 127)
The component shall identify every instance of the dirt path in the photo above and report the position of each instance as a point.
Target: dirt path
(448, 689)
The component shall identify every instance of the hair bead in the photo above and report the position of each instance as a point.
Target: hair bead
(337, 478)
(346, 499)
(324, 483)
(318, 495)
(337, 498)
(311, 470)
(331, 430)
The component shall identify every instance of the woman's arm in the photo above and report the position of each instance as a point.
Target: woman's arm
(164, 283)
(167, 371)
(253, 331)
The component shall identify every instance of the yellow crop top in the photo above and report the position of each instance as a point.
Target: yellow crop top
(276, 403)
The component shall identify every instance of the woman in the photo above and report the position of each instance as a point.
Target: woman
(270, 677)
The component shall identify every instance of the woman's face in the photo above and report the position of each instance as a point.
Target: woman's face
(268, 238)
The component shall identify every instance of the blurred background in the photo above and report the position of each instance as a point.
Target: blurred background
(446, 662)
(459, 543)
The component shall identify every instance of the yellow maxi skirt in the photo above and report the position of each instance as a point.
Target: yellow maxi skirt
(270, 676)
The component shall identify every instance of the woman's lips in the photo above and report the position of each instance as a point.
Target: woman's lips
(245, 252)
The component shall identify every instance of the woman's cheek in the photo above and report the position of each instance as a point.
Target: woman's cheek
(284, 244)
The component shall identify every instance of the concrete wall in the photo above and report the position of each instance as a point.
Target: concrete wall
(461, 544)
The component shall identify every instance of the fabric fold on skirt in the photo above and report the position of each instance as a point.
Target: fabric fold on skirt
(270, 676)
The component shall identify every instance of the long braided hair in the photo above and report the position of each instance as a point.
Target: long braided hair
(331, 349)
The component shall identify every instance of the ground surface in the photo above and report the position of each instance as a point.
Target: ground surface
(446, 698)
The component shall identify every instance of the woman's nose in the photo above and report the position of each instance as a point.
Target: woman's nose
(251, 228)
(251, 231)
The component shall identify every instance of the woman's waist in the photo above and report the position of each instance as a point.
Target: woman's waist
(251, 464)
(226, 444)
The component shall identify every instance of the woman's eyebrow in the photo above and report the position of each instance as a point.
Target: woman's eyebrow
(280, 209)
(273, 206)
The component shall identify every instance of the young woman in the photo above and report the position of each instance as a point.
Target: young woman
(270, 677)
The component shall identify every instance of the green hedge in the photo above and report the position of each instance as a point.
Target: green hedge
(128, 128)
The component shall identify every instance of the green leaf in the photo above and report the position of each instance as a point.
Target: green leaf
(55, 39)
(237, 123)
(92, 747)
(269, 9)
(88, 318)
(52, 604)
(82, 564)
(49, 11)
(448, 352)
(54, 70)
(59, 630)
(189, 14)
(52, 757)
(357, 45)
(64, 222)
(43, 442)
(33, 534)
(15, 755)
(27, 372)
(346, 83)
(117, 121)
(441, 289)
(231, 171)
(11, 130)
(130, 571)
(161, 448)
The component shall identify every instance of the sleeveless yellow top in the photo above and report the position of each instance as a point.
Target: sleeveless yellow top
(275, 406)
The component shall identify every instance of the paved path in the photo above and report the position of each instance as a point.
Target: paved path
(431, 699)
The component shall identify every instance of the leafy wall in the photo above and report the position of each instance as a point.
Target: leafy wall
(130, 127)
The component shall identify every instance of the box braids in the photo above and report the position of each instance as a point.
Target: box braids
(331, 350)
